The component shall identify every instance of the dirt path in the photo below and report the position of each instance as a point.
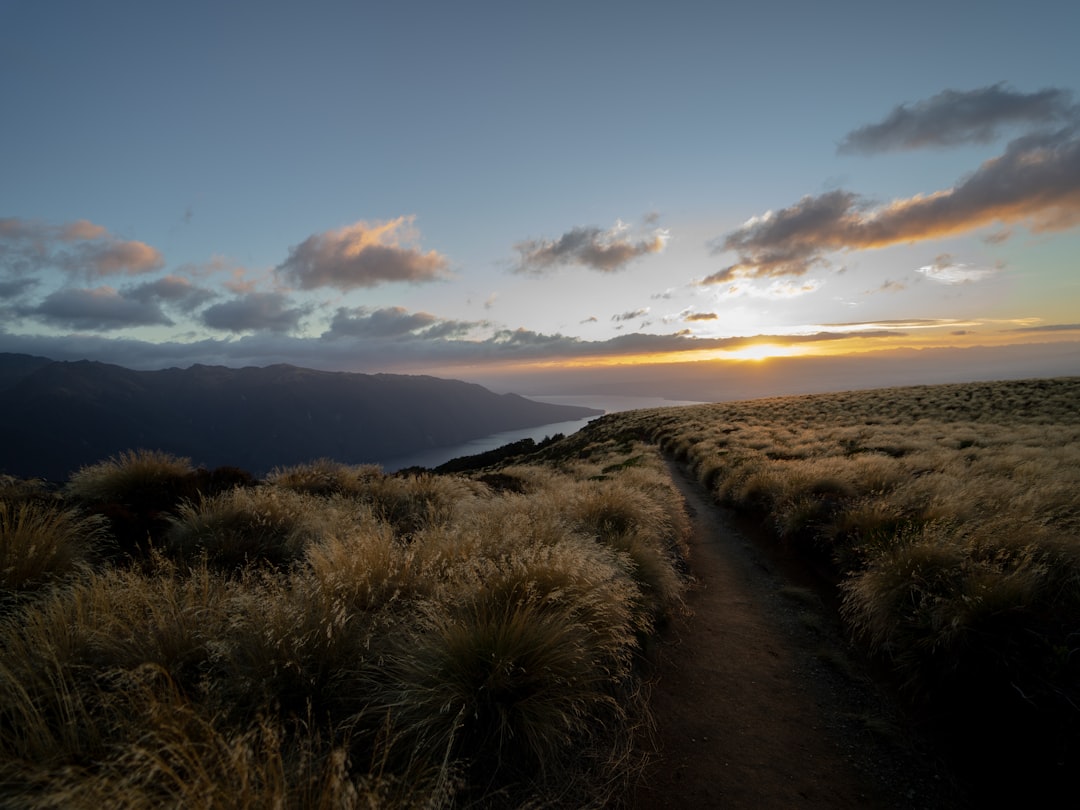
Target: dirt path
(755, 702)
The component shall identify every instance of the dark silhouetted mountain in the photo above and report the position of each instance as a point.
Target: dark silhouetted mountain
(14, 367)
(56, 416)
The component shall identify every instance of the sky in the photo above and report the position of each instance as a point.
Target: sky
(545, 196)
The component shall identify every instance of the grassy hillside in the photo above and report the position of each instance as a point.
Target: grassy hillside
(333, 636)
(948, 518)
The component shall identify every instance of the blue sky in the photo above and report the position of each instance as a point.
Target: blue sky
(475, 188)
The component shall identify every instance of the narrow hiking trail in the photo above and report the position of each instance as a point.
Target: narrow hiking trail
(755, 702)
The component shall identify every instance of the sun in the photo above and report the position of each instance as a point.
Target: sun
(759, 351)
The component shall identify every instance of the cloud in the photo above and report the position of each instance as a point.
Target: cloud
(16, 287)
(1036, 181)
(776, 290)
(889, 286)
(175, 290)
(80, 248)
(955, 117)
(363, 255)
(788, 242)
(393, 322)
(388, 353)
(631, 315)
(606, 251)
(701, 316)
(254, 312)
(864, 327)
(1051, 327)
(100, 308)
(946, 271)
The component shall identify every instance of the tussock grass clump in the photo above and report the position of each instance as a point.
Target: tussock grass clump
(952, 605)
(177, 756)
(627, 519)
(42, 543)
(62, 654)
(17, 490)
(132, 478)
(510, 680)
(414, 502)
(248, 526)
(365, 567)
(326, 477)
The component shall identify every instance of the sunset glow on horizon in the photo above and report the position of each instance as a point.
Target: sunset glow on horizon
(488, 192)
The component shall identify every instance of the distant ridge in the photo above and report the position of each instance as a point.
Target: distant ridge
(58, 416)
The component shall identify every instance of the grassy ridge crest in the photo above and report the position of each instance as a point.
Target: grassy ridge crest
(948, 518)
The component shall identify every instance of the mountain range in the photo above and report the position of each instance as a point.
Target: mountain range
(56, 417)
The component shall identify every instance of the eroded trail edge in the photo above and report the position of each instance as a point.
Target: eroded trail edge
(757, 706)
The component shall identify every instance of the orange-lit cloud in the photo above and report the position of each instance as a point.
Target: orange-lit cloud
(82, 229)
(896, 323)
(1035, 182)
(79, 248)
(363, 255)
(606, 251)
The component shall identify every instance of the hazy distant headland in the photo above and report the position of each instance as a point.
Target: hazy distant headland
(58, 416)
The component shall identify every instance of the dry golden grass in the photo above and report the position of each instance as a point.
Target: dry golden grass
(338, 637)
(42, 543)
(247, 526)
(130, 477)
(950, 516)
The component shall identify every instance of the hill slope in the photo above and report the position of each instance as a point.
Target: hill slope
(58, 416)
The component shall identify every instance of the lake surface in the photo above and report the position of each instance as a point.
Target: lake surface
(609, 404)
